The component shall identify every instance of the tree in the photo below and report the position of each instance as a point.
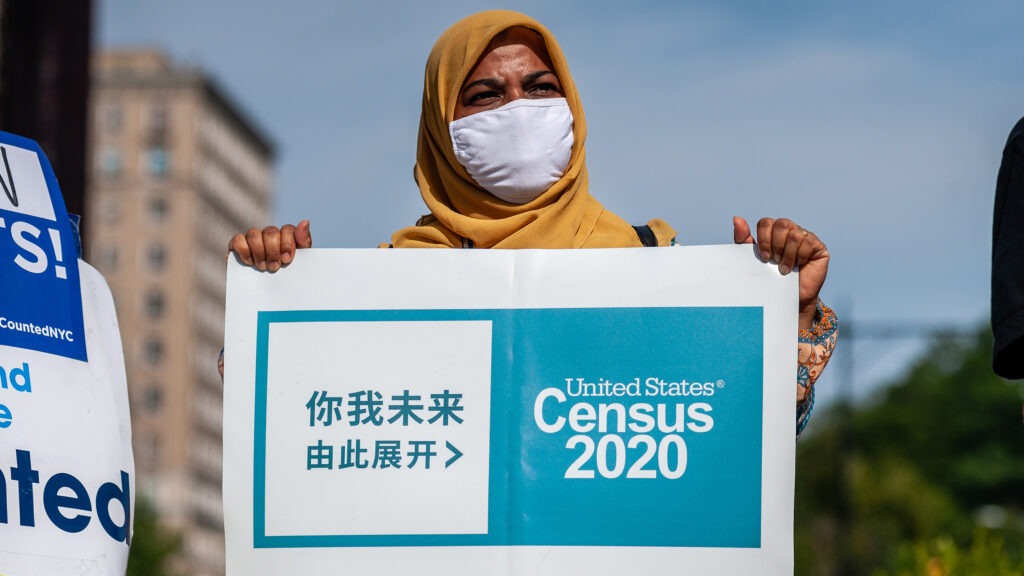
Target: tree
(153, 546)
(914, 466)
(942, 557)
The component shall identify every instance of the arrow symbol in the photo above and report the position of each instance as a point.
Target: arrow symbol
(455, 454)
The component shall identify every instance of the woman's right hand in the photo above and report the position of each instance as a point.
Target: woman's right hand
(271, 248)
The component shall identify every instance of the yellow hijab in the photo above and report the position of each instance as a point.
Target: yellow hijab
(564, 216)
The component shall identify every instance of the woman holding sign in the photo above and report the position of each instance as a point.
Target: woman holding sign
(500, 163)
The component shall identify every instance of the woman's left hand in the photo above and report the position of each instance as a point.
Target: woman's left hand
(791, 246)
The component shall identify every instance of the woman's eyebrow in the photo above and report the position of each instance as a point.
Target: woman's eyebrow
(492, 83)
(533, 76)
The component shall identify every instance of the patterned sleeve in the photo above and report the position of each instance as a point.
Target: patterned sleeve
(814, 348)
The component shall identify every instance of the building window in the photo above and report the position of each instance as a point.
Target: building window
(154, 304)
(158, 209)
(156, 257)
(158, 163)
(110, 163)
(153, 398)
(110, 210)
(148, 450)
(159, 116)
(153, 351)
(108, 259)
(113, 118)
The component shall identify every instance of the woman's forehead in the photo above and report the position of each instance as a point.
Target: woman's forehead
(514, 37)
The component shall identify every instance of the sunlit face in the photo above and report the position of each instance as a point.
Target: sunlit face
(515, 65)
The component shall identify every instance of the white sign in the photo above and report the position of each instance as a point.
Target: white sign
(511, 412)
(66, 467)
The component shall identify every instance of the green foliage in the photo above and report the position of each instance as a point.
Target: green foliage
(942, 557)
(958, 422)
(882, 485)
(153, 546)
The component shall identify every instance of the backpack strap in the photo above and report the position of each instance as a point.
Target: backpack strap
(646, 235)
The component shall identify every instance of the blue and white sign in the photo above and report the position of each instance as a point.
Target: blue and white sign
(511, 412)
(66, 467)
(41, 307)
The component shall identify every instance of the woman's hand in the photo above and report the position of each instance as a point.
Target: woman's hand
(272, 247)
(791, 246)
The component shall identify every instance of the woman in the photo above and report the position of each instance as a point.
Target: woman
(500, 163)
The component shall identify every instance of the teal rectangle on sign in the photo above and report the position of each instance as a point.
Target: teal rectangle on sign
(609, 427)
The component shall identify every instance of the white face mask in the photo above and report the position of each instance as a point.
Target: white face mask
(518, 151)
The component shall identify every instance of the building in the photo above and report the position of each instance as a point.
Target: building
(44, 84)
(176, 169)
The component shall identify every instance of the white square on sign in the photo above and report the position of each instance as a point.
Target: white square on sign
(371, 461)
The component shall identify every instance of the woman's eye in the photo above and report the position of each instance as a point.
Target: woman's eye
(482, 97)
(544, 88)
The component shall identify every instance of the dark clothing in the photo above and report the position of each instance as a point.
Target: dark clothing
(1008, 260)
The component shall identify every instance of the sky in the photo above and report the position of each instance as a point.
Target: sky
(878, 125)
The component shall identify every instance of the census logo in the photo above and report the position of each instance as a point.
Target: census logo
(41, 308)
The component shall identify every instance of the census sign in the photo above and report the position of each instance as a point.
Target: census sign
(511, 412)
(66, 468)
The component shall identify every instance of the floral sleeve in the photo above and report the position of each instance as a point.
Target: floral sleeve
(814, 348)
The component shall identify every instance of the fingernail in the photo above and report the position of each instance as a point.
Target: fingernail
(262, 265)
(765, 255)
(286, 258)
(274, 266)
(784, 269)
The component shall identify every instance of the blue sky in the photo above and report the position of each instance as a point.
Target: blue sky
(879, 125)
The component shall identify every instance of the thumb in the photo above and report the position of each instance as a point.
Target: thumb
(741, 231)
(303, 239)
